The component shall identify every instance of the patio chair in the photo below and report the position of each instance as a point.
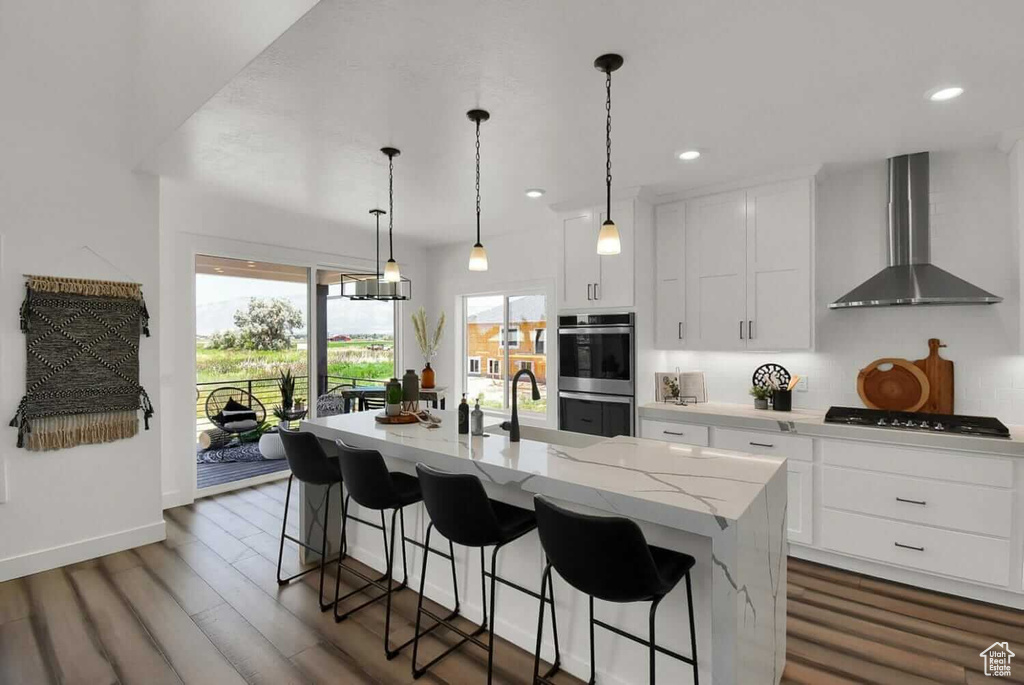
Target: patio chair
(234, 410)
(332, 403)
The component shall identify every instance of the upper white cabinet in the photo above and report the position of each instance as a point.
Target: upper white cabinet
(735, 270)
(589, 279)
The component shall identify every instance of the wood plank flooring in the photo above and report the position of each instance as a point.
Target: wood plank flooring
(204, 607)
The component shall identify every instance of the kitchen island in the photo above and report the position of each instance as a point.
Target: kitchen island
(726, 509)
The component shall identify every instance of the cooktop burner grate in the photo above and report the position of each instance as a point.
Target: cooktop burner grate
(983, 426)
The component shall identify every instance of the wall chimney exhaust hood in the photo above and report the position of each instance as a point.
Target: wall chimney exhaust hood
(911, 278)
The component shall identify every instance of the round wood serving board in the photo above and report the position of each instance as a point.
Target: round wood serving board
(903, 387)
(401, 418)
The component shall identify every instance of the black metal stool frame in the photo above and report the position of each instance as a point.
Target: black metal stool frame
(474, 636)
(378, 583)
(651, 644)
(323, 546)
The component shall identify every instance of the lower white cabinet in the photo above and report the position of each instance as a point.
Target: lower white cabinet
(772, 444)
(961, 555)
(669, 431)
(800, 510)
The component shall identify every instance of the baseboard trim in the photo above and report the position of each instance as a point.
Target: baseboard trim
(55, 557)
(176, 498)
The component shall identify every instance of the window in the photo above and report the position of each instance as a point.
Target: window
(508, 330)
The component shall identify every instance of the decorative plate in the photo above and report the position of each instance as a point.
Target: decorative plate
(771, 375)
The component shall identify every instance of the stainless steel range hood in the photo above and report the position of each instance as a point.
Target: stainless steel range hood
(911, 278)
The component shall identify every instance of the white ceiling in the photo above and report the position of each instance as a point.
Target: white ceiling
(759, 86)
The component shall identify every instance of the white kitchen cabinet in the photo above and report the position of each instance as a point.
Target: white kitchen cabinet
(591, 280)
(800, 489)
(670, 285)
(779, 257)
(744, 270)
(670, 431)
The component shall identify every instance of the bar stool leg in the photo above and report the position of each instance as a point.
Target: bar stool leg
(390, 575)
(323, 550)
(593, 666)
(693, 632)
(554, 625)
(405, 566)
(419, 602)
(494, 593)
(653, 645)
(540, 622)
(483, 588)
(284, 529)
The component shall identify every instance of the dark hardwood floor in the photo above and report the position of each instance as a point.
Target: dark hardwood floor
(204, 607)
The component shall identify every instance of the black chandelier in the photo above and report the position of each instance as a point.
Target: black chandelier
(372, 286)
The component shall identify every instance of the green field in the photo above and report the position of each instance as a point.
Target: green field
(356, 358)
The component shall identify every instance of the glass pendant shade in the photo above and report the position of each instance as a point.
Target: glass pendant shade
(478, 258)
(392, 275)
(608, 242)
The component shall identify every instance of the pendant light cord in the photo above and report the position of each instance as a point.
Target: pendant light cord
(391, 207)
(478, 181)
(608, 142)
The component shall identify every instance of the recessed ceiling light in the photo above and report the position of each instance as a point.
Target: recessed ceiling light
(689, 155)
(535, 192)
(943, 94)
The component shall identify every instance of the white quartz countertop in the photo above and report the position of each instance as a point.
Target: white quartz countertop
(671, 484)
(811, 423)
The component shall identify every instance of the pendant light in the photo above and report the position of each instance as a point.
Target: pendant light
(478, 256)
(608, 242)
(391, 272)
(372, 286)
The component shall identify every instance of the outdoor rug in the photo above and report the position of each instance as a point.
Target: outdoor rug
(247, 451)
(82, 362)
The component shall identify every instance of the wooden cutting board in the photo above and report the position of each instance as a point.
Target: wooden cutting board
(940, 376)
(893, 384)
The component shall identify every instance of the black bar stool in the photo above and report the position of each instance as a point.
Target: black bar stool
(368, 481)
(310, 464)
(609, 558)
(461, 511)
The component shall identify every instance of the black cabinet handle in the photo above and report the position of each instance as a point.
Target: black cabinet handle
(673, 433)
(587, 420)
(589, 286)
(680, 330)
(741, 330)
(920, 502)
(762, 444)
(596, 296)
(750, 330)
(902, 546)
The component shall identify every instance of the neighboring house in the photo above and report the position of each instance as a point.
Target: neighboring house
(526, 338)
(340, 337)
(997, 659)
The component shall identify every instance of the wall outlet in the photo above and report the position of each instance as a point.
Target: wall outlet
(3, 481)
(801, 385)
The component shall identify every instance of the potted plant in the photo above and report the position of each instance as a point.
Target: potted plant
(760, 395)
(428, 343)
(286, 384)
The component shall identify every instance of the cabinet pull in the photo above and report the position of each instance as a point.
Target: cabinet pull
(673, 433)
(587, 420)
(920, 502)
(750, 330)
(762, 444)
(680, 330)
(902, 546)
(589, 286)
(596, 296)
(741, 330)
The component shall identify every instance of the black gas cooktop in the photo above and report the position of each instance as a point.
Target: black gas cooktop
(982, 426)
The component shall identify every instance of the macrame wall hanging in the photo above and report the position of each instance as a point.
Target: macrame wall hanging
(82, 371)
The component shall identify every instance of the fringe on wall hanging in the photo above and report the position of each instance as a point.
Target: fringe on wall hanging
(82, 369)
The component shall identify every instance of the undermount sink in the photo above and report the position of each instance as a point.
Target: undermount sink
(548, 435)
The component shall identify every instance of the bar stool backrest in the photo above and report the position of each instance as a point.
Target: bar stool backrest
(366, 477)
(459, 507)
(603, 556)
(306, 457)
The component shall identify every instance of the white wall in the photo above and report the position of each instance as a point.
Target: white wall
(193, 220)
(972, 236)
(65, 183)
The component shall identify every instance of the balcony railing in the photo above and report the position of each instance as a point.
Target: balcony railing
(266, 390)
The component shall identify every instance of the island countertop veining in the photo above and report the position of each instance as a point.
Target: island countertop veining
(646, 479)
(726, 509)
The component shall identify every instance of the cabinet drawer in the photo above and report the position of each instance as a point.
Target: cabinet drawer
(926, 463)
(775, 444)
(963, 555)
(963, 507)
(685, 433)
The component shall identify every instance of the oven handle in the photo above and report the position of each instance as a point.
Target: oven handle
(615, 399)
(594, 330)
